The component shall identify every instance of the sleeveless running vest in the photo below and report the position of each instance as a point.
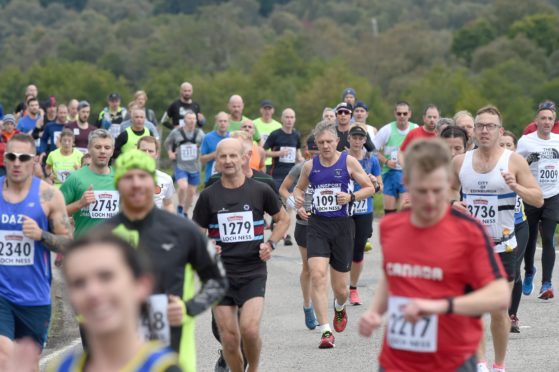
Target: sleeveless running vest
(394, 142)
(25, 271)
(326, 182)
(490, 200)
(133, 139)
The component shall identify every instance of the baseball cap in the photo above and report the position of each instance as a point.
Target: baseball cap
(266, 103)
(9, 118)
(134, 159)
(344, 106)
(547, 105)
(114, 96)
(358, 131)
(348, 91)
(83, 104)
(311, 144)
(362, 105)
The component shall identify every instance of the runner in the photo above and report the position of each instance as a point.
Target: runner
(128, 139)
(183, 148)
(177, 109)
(265, 125)
(490, 178)
(8, 127)
(532, 127)
(89, 192)
(164, 189)
(258, 154)
(443, 123)
(236, 117)
(27, 123)
(33, 223)
(343, 115)
(360, 115)
(127, 123)
(112, 115)
(73, 110)
(456, 138)
(329, 114)
(521, 230)
(465, 120)
(232, 210)
(349, 96)
(389, 139)
(52, 130)
(432, 324)
(301, 223)
(431, 116)
(541, 149)
(81, 128)
(209, 145)
(64, 160)
(175, 248)
(330, 232)
(363, 212)
(110, 316)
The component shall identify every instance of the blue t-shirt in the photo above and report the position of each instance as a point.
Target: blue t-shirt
(26, 124)
(209, 145)
(370, 165)
(49, 137)
(1, 112)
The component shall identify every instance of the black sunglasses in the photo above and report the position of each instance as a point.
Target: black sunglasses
(402, 113)
(343, 112)
(12, 156)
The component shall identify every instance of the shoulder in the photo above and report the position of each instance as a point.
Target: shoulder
(466, 224)
(395, 221)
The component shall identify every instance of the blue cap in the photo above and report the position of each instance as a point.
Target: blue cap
(362, 105)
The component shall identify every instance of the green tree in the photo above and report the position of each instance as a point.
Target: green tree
(543, 29)
(467, 39)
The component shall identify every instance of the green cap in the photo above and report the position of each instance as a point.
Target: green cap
(134, 159)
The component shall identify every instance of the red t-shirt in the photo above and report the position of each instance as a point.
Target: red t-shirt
(451, 258)
(418, 132)
(531, 128)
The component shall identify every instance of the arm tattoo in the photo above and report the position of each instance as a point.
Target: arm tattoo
(55, 243)
(47, 194)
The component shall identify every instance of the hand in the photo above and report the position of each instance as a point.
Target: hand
(391, 164)
(301, 212)
(88, 197)
(24, 356)
(375, 183)
(31, 229)
(200, 117)
(368, 322)
(218, 249)
(510, 180)
(175, 311)
(283, 152)
(172, 155)
(406, 202)
(299, 200)
(265, 251)
(461, 206)
(343, 198)
(418, 308)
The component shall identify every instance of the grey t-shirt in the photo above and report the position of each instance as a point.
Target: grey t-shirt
(188, 152)
(294, 173)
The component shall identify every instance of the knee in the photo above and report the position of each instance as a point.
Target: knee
(183, 186)
(250, 332)
(6, 350)
(230, 340)
(318, 277)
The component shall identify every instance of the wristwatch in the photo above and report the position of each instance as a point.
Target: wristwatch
(352, 197)
(272, 244)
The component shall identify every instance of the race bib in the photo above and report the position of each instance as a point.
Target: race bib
(518, 205)
(361, 206)
(16, 249)
(264, 137)
(56, 136)
(420, 336)
(106, 204)
(485, 209)
(548, 172)
(236, 227)
(189, 151)
(114, 129)
(324, 199)
(181, 123)
(61, 175)
(213, 170)
(76, 131)
(155, 324)
(290, 156)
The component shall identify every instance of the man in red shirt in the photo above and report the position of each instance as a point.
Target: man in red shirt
(428, 130)
(545, 105)
(436, 288)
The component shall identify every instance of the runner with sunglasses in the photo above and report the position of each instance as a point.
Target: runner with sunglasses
(344, 113)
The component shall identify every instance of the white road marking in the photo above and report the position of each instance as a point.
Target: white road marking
(57, 353)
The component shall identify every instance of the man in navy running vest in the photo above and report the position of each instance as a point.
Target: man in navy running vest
(33, 222)
(330, 231)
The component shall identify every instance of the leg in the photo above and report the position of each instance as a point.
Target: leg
(548, 248)
(480, 352)
(522, 234)
(339, 282)
(533, 216)
(251, 315)
(318, 267)
(6, 352)
(181, 191)
(190, 192)
(500, 320)
(390, 192)
(389, 202)
(305, 278)
(228, 325)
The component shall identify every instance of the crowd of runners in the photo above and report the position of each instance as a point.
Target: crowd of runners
(143, 251)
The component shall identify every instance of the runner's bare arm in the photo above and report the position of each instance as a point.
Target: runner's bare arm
(455, 185)
(87, 198)
(281, 224)
(358, 174)
(207, 157)
(302, 184)
(524, 184)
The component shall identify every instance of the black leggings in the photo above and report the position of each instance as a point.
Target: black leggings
(363, 231)
(522, 234)
(548, 246)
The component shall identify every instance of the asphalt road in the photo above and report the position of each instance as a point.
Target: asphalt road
(289, 346)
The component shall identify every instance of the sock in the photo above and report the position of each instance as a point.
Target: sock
(307, 308)
(179, 209)
(388, 211)
(337, 306)
(352, 287)
(325, 328)
(482, 362)
(501, 366)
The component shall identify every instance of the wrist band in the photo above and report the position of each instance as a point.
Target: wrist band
(450, 301)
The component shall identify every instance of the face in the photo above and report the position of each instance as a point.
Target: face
(33, 107)
(356, 142)
(360, 115)
(428, 194)
(190, 121)
(102, 289)
(222, 122)
(456, 145)
(288, 119)
(86, 162)
(84, 114)
(402, 114)
(186, 91)
(507, 142)
(329, 115)
(51, 112)
(149, 148)
(9, 127)
(488, 130)
(344, 116)
(544, 121)
(101, 151)
(136, 189)
(114, 104)
(73, 108)
(430, 119)
(62, 114)
(236, 107)
(18, 171)
(350, 98)
(248, 126)
(229, 157)
(267, 112)
(467, 123)
(138, 118)
(31, 90)
(327, 143)
(141, 100)
(66, 142)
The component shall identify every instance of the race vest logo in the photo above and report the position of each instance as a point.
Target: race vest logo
(11, 219)
(337, 173)
(326, 192)
(158, 189)
(480, 202)
(414, 271)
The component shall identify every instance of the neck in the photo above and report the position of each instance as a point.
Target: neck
(33, 115)
(426, 129)
(544, 136)
(99, 169)
(186, 100)
(343, 127)
(233, 182)
(236, 117)
(266, 120)
(82, 123)
(356, 153)
(137, 129)
(114, 351)
(403, 125)
(287, 130)
(18, 187)
(221, 133)
(421, 222)
(136, 214)
(330, 161)
(65, 151)
(489, 152)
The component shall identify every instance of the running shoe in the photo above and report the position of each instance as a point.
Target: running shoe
(354, 297)
(287, 241)
(497, 369)
(482, 367)
(514, 324)
(528, 283)
(546, 291)
(310, 317)
(327, 341)
(368, 246)
(221, 365)
(340, 320)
